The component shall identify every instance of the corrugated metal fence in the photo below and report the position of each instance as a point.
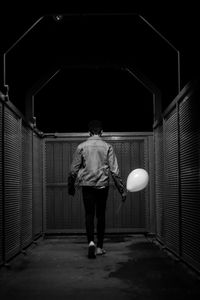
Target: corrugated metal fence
(177, 177)
(66, 214)
(21, 183)
(1, 184)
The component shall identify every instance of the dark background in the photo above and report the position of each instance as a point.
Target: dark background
(89, 52)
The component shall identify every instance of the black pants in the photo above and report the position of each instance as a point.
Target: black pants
(95, 204)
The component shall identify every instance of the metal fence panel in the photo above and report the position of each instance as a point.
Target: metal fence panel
(62, 211)
(37, 185)
(12, 168)
(171, 186)
(1, 184)
(177, 188)
(159, 182)
(26, 215)
(150, 190)
(190, 179)
(65, 213)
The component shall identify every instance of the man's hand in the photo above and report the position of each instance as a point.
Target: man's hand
(71, 191)
(123, 196)
(71, 187)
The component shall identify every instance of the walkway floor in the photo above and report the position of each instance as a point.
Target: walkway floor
(134, 267)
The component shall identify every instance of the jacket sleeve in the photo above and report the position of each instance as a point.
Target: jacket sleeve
(75, 166)
(114, 170)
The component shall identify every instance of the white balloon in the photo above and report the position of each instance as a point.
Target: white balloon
(137, 180)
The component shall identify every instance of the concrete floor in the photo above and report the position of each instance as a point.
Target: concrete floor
(133, 268)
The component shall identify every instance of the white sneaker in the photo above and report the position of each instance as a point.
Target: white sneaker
(91, 250)
(100, 251)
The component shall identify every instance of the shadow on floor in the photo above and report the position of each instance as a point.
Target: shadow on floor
(134, 267)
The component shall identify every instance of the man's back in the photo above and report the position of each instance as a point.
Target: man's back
(94, 158)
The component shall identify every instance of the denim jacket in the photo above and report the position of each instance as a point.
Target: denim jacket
(92, 162)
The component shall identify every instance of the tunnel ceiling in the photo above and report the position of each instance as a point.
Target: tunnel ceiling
(93, 40)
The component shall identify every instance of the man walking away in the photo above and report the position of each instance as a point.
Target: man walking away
(92, 162)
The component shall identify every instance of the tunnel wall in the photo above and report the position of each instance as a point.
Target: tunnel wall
(177, 176)
(176, 209)
(21, 176)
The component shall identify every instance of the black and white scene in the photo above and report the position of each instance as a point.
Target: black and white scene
(99, 151)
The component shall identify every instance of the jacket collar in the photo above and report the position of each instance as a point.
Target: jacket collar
(95, 137)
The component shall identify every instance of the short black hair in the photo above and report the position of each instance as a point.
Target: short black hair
(95, 127)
